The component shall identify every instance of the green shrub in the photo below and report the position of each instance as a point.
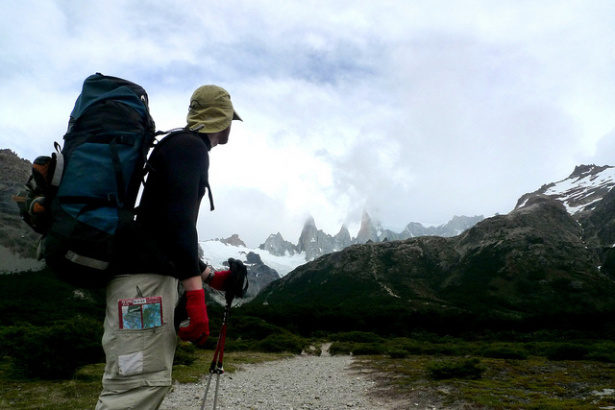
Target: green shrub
(359, 337)
(362, 349)
(567, 351)
(39, 298)
(397, 353)
(55, 351)
(284, 342)
(185, 354)
(252, 328)
(448, 349)
(210, 343)
(339, 348)
(538, 348)
(357, 349)
(407, 345)
(241, 345)
(601, 356)
(455, 369)
(505, 352)
(602, 352)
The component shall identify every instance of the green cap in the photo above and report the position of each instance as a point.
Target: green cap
(210, 109)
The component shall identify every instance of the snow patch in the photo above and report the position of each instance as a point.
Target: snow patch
(576, 189)
(603, 392)
(216, 253)
(574, 209)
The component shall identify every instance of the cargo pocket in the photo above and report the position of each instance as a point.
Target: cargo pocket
(130, 364)
(144, 352)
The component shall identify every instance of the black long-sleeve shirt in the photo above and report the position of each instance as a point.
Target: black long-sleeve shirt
(169, 207)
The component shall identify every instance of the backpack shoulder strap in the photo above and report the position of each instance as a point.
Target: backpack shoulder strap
(168, 135)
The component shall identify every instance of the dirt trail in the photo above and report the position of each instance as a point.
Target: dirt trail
(301, 382)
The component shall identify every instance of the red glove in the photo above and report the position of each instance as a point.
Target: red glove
(197, 330)
(219, 280)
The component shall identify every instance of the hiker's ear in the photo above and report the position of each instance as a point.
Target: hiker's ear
(220, 137)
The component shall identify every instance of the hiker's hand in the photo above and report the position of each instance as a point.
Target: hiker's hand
(230, 281)
(219, 280)
(197, 330)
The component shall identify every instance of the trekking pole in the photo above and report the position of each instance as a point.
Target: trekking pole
(216, 364)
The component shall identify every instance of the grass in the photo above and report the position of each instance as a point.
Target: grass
(533, 383)
(440, 371)
(232, 360)
(81, 392)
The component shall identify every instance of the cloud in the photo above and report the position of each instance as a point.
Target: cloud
(249, 212)
(413, 111)
(604, 153)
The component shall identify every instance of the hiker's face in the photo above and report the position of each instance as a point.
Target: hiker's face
(223, 136)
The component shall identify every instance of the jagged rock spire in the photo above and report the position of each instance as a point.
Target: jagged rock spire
(368, 230)
(277, 245)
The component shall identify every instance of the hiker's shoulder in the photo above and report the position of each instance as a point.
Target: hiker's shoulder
(182, 142)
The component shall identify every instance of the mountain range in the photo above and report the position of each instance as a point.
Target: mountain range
(281, 256)
(315, 242)
(581, 192)
(552, 255)
(18, 241)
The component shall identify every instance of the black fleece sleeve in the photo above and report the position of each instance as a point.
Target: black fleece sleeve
(184, 180)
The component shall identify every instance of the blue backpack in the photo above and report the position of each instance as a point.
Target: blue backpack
(82, 199)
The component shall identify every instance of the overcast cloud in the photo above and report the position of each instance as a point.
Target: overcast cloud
(411, 110)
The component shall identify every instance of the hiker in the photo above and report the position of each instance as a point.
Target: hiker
(139, 348)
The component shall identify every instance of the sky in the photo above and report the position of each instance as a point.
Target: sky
(413, 111)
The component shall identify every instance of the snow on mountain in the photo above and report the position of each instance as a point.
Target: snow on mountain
(370, 230)
(216, 253)
(581, 191)
(277, 245)
(314, 242)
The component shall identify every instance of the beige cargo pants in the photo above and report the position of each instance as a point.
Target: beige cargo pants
(138, 360)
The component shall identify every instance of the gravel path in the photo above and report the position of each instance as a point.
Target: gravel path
(302, 382)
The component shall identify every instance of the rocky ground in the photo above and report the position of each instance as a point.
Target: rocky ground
(301, 382)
